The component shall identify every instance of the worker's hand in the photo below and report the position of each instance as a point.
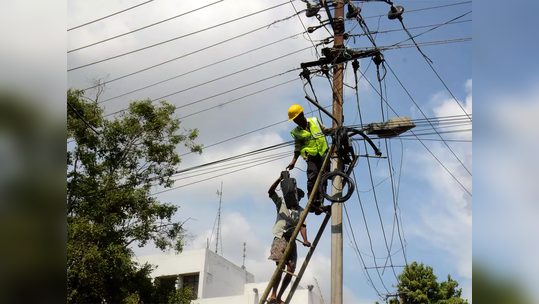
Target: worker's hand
(291, 165)
(306, 243)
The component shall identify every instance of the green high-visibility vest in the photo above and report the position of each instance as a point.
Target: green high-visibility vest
(312, 142)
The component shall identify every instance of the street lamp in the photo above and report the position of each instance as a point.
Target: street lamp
(390, 128)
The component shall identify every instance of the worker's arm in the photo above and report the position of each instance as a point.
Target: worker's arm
(271, 190)
(303, 232)
(293, 162)
(325, 129)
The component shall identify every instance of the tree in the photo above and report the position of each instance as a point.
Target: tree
(111, 167)
(493, 287)
(418, 285)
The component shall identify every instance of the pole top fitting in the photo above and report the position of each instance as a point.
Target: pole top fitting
(355, 64)
(377, 59)
(395, 12)
(339, 26)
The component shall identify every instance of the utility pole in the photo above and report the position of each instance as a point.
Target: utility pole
(336, 191)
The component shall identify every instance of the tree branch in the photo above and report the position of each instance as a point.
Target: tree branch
(73, 182)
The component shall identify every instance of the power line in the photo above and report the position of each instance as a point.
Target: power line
(305, 29)
(370, 170)
(201, 168)
(201, 68)
(199, 181)
(125, 10)
(222, 93)
(411, 28)
(430, 61)
(239, 98)
(176, 38)
(219, 78)
(144, 27)
(422, 9)
(198, 69)
(358, 252)
(447, 145)
(453, 176)
(368, 233)
(82, 118)
(239, 164)
(194, 52)
(265, 27)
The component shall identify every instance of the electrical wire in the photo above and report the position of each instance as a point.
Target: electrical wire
(255, 30)
(219, 94)
(368, 233)
(431, 29)
(144, 27)
(374, 188)
(429, 61)
(199, 181)
(410, 28)
(358, 252)
(423, 9)
(420, 110)
(201, 68)
(176, 38)
(82, 118)
(305, 29)
(219, 78)
(99, 19)
(193, 52)
(438, 160)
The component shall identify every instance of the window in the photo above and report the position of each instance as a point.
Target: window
(191, 281)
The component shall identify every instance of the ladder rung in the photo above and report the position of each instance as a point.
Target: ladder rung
(303, 243)
(290, 273)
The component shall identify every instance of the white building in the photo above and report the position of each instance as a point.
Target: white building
(216, 279)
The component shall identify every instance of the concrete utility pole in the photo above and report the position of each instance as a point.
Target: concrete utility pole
(336, 191)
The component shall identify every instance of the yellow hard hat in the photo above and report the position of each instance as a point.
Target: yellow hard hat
(294, 111)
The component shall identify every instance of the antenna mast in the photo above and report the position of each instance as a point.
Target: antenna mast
(220, 193)
(243, 264)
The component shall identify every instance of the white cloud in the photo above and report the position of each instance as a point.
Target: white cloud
(510, 171)
(446, 219)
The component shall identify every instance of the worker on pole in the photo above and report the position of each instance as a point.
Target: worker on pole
(287, 219)
(310, 143)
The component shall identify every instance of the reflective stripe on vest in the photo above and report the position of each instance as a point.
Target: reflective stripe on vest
(312, 142)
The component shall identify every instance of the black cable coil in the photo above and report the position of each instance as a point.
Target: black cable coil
(346, 179)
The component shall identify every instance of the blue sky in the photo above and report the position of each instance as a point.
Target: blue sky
(435, 211)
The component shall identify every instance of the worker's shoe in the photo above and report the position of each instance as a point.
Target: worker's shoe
(318, 208)
(315, 207)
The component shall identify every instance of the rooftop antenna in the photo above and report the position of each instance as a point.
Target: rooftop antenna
(244, 250)
(319, 291)
(220, 193)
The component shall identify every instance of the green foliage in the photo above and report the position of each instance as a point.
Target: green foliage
(419, 286)
(109, 177)
(494, 288)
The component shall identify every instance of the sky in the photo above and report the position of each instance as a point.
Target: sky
(434, 211)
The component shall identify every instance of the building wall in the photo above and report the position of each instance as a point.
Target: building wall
(223, 278)
(303, 296)
(220, 281)
(168, 264)
(218, 277)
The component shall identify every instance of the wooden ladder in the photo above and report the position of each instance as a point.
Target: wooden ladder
(280, 267)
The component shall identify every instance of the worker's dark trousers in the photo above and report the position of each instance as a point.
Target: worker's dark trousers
(314, 164)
